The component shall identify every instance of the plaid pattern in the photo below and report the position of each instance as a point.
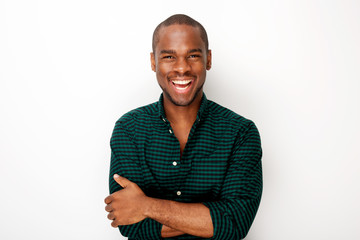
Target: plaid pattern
(220, 166)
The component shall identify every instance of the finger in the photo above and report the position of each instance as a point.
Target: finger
(114, 224)
(108, 208)
(111, 216)
(124, 182)
(108, 199)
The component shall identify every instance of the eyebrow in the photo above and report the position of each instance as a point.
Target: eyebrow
(173, 52)
(195, 50)
(167, 52)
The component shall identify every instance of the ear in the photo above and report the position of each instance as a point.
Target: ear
(208, 60)
(153, 63)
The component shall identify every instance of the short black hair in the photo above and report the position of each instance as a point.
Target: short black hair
(180, 19)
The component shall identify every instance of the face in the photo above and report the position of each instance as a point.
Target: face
(180, 61)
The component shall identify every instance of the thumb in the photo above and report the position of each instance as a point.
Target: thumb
(124, 182)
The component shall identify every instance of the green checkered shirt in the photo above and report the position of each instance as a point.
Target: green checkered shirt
(220, 166)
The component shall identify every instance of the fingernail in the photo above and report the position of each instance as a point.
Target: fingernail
(116, 175)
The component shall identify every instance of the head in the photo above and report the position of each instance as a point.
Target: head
(180, 59)
(180, 19)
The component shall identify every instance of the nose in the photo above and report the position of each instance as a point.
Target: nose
(182, 65)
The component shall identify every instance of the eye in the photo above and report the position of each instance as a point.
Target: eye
(168, 57)
(194, 56)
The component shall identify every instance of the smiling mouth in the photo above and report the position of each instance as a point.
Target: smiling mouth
(181, 84)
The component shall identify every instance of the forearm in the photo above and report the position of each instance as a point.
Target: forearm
(167, 232)
(191, 218)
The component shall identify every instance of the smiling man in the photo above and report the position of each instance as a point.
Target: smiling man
(183, 167)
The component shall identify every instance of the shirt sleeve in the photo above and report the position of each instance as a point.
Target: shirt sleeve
(124, 161)
(240, 196)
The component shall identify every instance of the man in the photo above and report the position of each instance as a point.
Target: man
(183, 167)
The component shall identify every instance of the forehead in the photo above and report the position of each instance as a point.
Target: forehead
(179, 37)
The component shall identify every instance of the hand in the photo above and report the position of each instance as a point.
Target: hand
(125, 206)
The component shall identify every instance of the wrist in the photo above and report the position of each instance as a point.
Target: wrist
(147, 206)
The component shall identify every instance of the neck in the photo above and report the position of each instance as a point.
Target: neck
(182, 114)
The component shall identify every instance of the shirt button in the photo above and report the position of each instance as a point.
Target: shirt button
(174, 163)
(178, 193)
(164, 119)
(170, 131)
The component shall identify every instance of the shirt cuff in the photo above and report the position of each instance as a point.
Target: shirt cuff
(223, 226)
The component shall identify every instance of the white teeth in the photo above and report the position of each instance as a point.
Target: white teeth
(181, 82)
(182, 88)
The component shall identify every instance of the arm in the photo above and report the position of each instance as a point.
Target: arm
(131, 205)
(167, 232)
(228, 218)
(191, 218)
(234, 213)
(124, 162)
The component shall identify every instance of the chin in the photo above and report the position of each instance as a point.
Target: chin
(183, 102)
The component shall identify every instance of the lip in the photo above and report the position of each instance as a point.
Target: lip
(181, 85)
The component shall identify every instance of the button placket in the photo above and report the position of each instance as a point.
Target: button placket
(167, 124)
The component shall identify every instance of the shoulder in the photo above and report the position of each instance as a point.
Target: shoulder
(138, 116)
(241, 128)
(226, 116)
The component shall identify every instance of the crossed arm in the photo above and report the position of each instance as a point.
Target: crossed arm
(130, 205)
(142, 217)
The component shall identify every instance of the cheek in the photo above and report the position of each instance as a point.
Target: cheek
(162, 70)
(158, 76)
(161, 75)
(199, 68)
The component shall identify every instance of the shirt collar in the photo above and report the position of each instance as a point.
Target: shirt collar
(200, 113)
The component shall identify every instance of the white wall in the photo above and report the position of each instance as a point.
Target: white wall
(69, 69)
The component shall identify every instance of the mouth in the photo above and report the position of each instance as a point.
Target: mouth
(181, 85)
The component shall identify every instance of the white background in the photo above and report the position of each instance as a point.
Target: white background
(70, 69)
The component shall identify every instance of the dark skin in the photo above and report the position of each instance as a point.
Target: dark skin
(181, 123)
(181, 55)
(180, 61)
